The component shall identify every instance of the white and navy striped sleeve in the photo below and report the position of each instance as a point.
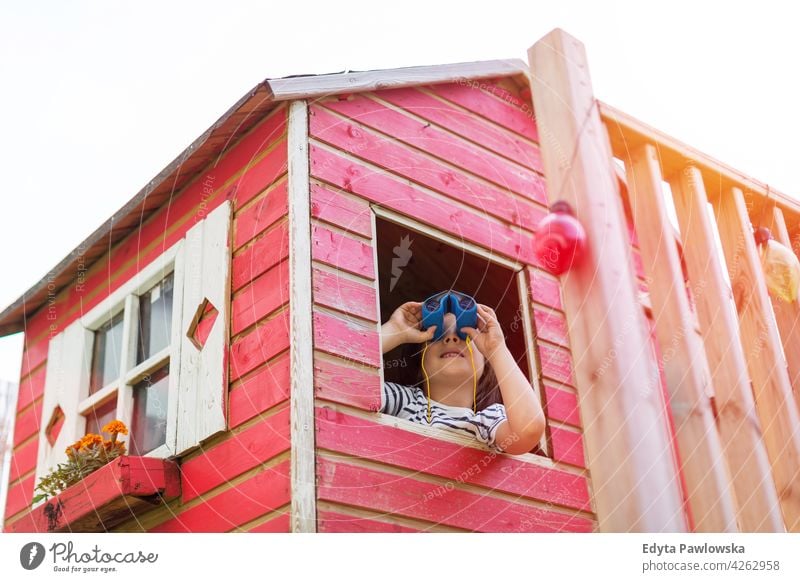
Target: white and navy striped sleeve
(489, 420)
(393, 398)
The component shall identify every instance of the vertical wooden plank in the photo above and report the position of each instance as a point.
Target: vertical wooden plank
(627, 444)
(684, 361)
(773, 394)
(740, 433)
(787, 314)
(303, 482)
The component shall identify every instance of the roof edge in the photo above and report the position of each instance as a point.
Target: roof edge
(311, 86)
(12, 318)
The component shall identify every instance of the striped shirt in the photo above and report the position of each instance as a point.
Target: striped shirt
(410, 402)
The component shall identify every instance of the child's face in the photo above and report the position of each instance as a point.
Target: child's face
(449, 357)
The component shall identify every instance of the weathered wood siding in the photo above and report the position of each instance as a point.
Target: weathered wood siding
(238, 480)
(444, 154)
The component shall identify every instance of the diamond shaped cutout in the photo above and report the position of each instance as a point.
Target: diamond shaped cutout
(204, 317)
(53, 428)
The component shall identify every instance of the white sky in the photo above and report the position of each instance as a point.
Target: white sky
(97, 97)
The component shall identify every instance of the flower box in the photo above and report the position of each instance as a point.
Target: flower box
(118, 491)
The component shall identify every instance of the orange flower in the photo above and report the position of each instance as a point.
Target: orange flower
(71, 451)
(91, 440)
(115, 427)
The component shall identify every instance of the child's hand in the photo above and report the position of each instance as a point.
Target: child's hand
(488, 338)
(403, 327)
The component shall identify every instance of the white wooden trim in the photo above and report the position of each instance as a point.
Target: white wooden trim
(203, 384)
(100, 396)
(176, 346)
(374, 245)
(303, 471)
(130, 335)
(439, 235)
(137, 284)
(523, 286)
(150, 365)
(317, 86)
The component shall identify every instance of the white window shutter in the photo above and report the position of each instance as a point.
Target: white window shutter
(66, 382)
(203, 376)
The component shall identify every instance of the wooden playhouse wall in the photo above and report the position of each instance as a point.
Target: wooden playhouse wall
(460, 151)
(240, 479)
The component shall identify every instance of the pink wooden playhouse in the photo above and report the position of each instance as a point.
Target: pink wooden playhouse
(229, 315)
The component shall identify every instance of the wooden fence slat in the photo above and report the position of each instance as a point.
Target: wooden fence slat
(684, 361)
(787, 315)
(773, 393)
(628, 452)
(740, 433)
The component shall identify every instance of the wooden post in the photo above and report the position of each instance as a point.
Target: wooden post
(303, 471)
(773, 394)
(787, 314)
(739, 428)
(625, 431)
(684, 360)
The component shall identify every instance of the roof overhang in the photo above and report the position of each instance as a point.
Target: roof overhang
(207, 149)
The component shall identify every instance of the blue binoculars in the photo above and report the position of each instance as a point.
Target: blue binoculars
(461, 305)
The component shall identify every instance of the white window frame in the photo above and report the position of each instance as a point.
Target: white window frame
(522, 286)
(126, 300)
(198, 377)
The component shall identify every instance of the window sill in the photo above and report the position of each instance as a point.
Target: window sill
(122, 489)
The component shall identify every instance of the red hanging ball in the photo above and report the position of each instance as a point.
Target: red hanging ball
(560, 240)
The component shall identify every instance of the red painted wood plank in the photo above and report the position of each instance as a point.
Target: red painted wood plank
(493, 87)
(339, 383)
(379, 491)
(268, 250)
(343, 252)
(264, 492)
(543, 289)
(95, 500)
(567, 446)
(35, 351)
(442, 144)
(266, 340)
(344, 295)
(19, 496)
(263, 296)
(261, 174)
(453, 183)
(262, 214)
(334, 522)
(346, 213)
(465, 124)
(350, 435)
(23, 460)
(280, 524)
(562, 406)
(28, 423)
(495, 110)
(551, 326)
(167, 226)
(350, 340)
(261, 391)
(556, 364)
(409, 200)
(236, 455)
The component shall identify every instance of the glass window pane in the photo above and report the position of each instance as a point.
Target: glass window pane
(149, 424)
(155, 318)
(100, 415)
(106, 354)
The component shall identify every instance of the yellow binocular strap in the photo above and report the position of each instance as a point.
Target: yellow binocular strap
(474, 378)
